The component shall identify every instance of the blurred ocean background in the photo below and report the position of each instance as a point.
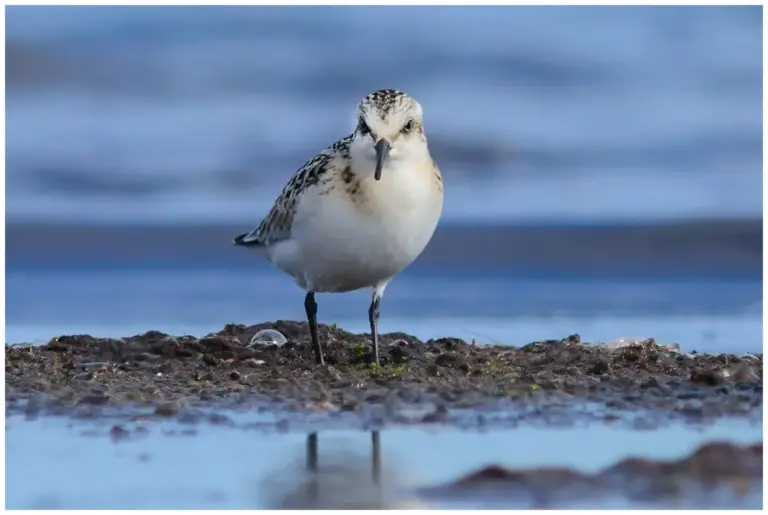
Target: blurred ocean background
(193, 114)
(602, 164)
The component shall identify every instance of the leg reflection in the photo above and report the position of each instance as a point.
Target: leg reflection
(312, 452)
(312, 462)
(314, 487)
(376, 456)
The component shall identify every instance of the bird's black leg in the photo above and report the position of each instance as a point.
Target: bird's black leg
(373, 317)
(311, 307)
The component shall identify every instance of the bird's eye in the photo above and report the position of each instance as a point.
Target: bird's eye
(363, 127)
(408, 127)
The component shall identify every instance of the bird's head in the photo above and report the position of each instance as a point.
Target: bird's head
(389, 128)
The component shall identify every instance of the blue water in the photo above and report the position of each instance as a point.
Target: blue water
(187, 114)
(231, 468)
(713, 315)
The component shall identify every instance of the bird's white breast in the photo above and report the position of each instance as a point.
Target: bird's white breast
(357, 235)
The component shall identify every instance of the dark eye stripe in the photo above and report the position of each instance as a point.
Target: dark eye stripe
(363, 127)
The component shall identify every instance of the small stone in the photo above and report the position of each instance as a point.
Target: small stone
(219, 342)
(253, 363)
(574, 339)
(446, 360)
(185, 353)
(243, 353)
(400, 354)
(194, 345)
(599, 367)
(742, 373)
(144, 356)
(707, 377)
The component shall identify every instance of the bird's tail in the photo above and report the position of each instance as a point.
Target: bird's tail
(248, 239)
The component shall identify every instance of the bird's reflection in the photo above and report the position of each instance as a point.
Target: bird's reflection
(312, 455)
(376, 457)
(332, 479)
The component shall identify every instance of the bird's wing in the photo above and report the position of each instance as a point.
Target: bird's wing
(277, 225)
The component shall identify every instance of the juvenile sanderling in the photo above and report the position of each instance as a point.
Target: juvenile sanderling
(359, 212)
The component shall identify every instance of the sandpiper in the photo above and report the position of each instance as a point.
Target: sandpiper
(359, 212)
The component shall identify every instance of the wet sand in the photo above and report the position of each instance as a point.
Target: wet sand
(446, 380)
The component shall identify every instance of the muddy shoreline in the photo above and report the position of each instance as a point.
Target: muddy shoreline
(438, 381)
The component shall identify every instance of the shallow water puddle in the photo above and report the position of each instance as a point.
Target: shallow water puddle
(90, 464)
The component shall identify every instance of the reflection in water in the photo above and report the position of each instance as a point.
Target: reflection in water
(376, 457)
(698, 479)
(313, 489)
(335, 480)
(312, 456)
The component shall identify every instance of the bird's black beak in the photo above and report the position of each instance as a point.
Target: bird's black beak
(382, 151)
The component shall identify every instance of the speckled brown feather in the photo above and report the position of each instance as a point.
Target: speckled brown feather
(276, 225)
(317, 172)
(385, 100)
